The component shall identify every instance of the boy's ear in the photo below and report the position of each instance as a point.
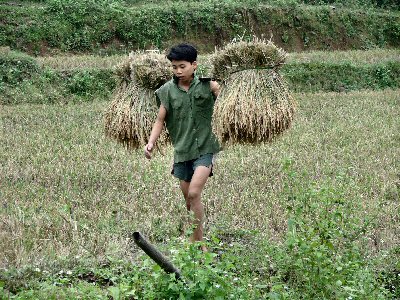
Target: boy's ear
(194, 64)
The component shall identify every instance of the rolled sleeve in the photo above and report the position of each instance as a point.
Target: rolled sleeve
(161, 100)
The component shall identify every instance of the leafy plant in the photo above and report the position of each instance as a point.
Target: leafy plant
(323, 256)
(16, 67)
(87, 25)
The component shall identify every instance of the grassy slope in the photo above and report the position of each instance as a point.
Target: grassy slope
(70, 27)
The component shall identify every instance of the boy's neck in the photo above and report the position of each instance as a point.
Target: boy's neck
(185, 83)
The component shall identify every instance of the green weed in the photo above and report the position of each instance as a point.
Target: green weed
(324, 252)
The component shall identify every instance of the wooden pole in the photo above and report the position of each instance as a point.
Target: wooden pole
(155, 255)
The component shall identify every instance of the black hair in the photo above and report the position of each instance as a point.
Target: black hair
(183, 51)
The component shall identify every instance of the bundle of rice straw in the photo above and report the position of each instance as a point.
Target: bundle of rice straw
(254, 104)
(130, 116)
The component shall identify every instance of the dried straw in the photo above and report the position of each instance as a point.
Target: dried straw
(255, 104)
(244, 55)
(130, 116)
(150, 69)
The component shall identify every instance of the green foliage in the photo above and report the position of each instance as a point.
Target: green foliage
(89, 82)
(50, 86)
(339, 77)
(22, 80)
(16, 67)
(390, 278)
(203, 277)
(85, 84)
(323, 255)
(387, 4)
(87, 25)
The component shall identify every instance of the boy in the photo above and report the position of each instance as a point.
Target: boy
(186, 106)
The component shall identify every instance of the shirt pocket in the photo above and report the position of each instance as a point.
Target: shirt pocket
(204, 105)
(177, 107)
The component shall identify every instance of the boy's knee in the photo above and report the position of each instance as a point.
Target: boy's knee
(193, 195)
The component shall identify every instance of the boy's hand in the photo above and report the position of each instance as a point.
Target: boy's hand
(148, 149)
(215, 88)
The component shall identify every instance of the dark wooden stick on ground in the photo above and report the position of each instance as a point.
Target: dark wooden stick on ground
(156, 255)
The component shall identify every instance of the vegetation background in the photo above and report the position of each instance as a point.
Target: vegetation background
(313, 215)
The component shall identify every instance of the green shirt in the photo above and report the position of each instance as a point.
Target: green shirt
(188, 119)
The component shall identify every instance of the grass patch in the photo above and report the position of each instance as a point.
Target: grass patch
(51, 87)
(78, 62)
(70, 198)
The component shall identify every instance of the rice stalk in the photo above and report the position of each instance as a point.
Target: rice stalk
(244, 55)
(130, 116)
(150, 69)
(123, 72)
(254, 106)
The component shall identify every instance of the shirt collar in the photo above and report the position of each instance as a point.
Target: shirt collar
(194, 81)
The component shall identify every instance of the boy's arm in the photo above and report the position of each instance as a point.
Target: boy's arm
(156, 131)
(215, 88)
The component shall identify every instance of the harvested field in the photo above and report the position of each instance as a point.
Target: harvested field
(68, 191)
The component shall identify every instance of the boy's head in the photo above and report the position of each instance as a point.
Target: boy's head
(183, 52)
(183, 59)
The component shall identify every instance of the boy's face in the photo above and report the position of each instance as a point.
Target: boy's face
(183, 69)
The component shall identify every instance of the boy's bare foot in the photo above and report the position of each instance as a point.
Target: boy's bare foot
(202, 247)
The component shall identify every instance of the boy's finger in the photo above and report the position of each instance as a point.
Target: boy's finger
(146, 152)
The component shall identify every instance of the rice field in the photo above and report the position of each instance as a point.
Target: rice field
(69, 193)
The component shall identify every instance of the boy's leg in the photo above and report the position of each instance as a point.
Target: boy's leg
(196, 186)
(185, 190)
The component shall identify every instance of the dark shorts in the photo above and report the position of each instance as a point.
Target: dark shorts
(185, 170)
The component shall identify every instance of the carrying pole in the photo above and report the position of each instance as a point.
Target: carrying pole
(155, 255)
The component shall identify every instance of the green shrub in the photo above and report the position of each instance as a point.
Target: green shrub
(16, 67)
(387, 4)
(87, 25)
(89, 82)
(324, 254)
(339, 77)
(50, 87)
(203, 277)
